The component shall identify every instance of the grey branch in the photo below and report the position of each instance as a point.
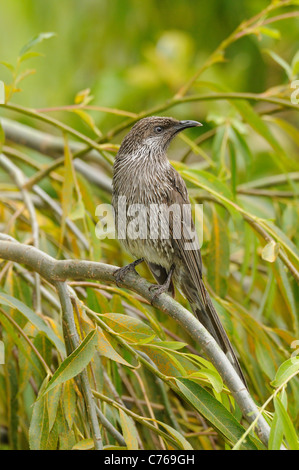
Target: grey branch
(62, 270)
(53, 146)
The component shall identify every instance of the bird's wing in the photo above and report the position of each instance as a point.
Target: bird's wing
(205, 310)
(183, 232)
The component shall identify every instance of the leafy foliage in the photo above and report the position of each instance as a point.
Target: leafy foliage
(148, 377)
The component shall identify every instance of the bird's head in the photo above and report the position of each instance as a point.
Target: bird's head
(154, 133)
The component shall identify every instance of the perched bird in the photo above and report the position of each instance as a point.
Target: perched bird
(144, 180)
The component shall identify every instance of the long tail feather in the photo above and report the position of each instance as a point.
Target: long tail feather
(209, 318)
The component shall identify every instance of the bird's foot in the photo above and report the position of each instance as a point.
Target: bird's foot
(161, 289)
(158, 291)
(121, 273)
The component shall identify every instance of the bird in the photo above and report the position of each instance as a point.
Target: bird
(144, 180)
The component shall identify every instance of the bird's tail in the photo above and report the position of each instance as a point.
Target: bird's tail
(208, 317)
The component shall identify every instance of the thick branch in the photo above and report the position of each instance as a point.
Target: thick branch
(54, 270)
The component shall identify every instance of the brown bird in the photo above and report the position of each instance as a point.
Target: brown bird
(162, 234)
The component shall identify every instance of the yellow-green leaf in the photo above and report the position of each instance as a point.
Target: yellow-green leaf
(270, 251)
(75, 363)
(106, 349)
(129, 431)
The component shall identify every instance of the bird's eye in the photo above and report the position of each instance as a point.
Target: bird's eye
(158, 129)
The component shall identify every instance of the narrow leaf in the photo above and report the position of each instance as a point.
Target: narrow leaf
(36, 320)
(285, 371)
(270, 251)
(107, 350)
(288, 427)
(35, 40)
(129, 431)
(213, 411)
(75, 363)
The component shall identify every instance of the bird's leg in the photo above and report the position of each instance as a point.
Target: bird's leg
(160, 289)
(122, 272)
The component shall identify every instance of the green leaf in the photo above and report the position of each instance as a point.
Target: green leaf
(264, 358)
(218, 258)
(78, 211)
(107, 350)
(182, 442)
(83, 97)
(35, 40)
(285, 371)
(256, 122)
(173, 345)
(2, 92)
(23, 347)
(288, 427)
(36, 320)
(2, 137)
(76, 362)
(295, 64)
(53, 401)
(129, 431)
(88, 119)
(29, 55)
(282, 238)
(270, 251)
(166, 362)
(287, 127)
(66, 435)
(69, 402)
(128, 327)
(85, 444)
(213, 377)
(276, 434)
(213, 185)
(39, 425)
(10, 67)
(272, 33)
(280, 61)
(214, 412)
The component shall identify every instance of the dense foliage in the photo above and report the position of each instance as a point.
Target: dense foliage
(113, 63)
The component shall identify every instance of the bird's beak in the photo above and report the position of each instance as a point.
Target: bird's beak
(185, 124)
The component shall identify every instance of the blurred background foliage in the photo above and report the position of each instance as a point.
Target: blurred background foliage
(243, 166)
(133, 55)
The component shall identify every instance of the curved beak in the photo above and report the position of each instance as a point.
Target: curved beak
(185, 124)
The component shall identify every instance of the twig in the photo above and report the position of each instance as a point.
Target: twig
(136, 417)
(111, 429)
(245, 28)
